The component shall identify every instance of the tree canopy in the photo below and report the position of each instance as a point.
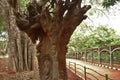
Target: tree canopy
(108, 3)
(98, 37)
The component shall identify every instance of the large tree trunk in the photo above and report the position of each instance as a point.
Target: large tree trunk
(21, 50)
(52, 22)
(52, 58)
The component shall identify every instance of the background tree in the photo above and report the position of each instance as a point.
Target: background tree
(79, 38)
(97, 37)
(3, 36)
(21, 51)
(104, 36)
(108, 3)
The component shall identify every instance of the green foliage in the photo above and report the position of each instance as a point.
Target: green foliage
(23, 4)
(105, 57)
(3, 45)
(116, 58)
(79, 38)
(108, 3)
(104, 36)
(3, 34)
(103, 3)
(3, 28)
(2, 24)
(98, 37)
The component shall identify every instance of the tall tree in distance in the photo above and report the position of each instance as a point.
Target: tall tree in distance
(52, 22)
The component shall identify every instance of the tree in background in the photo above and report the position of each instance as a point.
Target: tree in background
(97, 37)
(104, 36)
(108, 3)
(3, 36)
(79, 38)
(104, 3)
(21, 51)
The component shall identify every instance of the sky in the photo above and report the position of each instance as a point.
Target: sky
(111, 18)
(113, 22)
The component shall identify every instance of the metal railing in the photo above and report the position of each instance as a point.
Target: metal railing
(83, 69)
(107, 55)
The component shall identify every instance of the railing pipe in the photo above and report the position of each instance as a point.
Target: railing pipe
(75, 67)
(106, 77)
(85, 73)
(69, 64)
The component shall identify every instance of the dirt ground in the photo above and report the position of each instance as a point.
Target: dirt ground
(72, 76)
(4, 71)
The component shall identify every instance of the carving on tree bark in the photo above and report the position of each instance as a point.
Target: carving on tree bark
(52, 22)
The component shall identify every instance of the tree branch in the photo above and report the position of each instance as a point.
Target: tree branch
(1, 3)
(79, 4)
(72, 20)
(52, 3)
(13, 3)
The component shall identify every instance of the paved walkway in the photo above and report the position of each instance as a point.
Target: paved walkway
(114, 74)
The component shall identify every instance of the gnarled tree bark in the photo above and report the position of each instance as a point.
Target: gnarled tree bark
(52, 22)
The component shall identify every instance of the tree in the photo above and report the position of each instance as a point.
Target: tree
(104, 36)
(52, 22)
(97, 37)
(3, 36)
(104, 3)
(79, 38)
(2, 26)
(108, 3)
(21, 51)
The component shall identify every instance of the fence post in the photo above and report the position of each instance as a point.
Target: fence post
(85, 73)
(106, 76)
(69, 64)
(75, 67)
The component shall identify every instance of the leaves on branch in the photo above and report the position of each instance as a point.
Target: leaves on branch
(108, 3)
